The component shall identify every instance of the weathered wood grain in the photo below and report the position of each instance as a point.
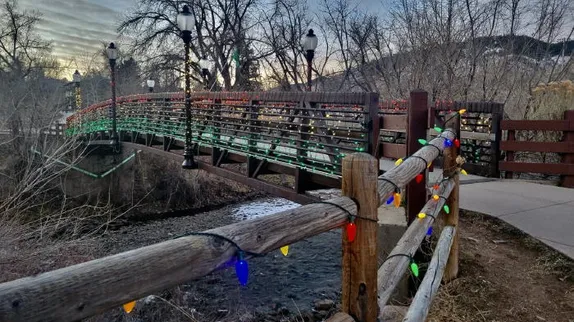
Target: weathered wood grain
(359, 276)
(83, 290)
(407, 171)
(450, 169)
(393, 270)
(341, 317)
(427, 290)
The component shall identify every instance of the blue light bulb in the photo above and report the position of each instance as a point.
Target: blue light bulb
(447, 143)
(429, 231)
(242, 269)
(390, 200)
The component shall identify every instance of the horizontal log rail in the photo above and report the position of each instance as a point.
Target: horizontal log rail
(83, 290)
(392, 270)
(420, 305)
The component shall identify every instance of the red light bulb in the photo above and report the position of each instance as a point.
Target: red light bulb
(419, 178)
(351, 231)
(457, 143)
(435, 187)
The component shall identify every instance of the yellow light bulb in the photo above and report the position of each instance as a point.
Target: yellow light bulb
(128, 307)
(285, 250)
(462, 111)
(428, 165)
(422, 215)
(397, 200)
(399, 161)
(463, 172)
(436, 197)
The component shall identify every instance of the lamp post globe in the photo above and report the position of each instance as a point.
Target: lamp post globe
(150, 85)
(205, 66)
(112, 53)
(77, 77)
(309, 44)
(185, 22)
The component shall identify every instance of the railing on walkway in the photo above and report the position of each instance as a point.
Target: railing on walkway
(564, 148)
(480, 134)
(86, 289)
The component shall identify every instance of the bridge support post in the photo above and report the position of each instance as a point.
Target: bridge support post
(417, 124)
(359, 276)
(568, 158)
(302, 181)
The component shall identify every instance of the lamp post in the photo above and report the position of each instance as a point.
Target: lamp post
(205, 65)
(309, 45)
(77, 78)
(185, 22)
(112, 52)
(150, 85)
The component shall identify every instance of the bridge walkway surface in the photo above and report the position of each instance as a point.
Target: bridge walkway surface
(542, 211)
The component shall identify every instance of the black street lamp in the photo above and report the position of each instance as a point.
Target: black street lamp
(309, 45)
(186, 22)
(150, 85)
(77, 78)
(205, 66)
(112, 52)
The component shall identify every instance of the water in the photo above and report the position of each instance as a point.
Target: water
(260, 208)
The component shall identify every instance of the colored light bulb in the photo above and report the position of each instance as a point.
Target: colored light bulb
(447, 143)
(423, 141)
(399, 161)
(284, 250)
(390, 200)
(422, 215)
(438, 129)
(128, 307)
(462, 111)
(419, 178)
(429, 231)
(457, 143)
(415, 269)
(446, 209)
(428, 165)
(242, 269)
(397, 201)
(351, 231)
(463, 172)
(435, 197)
(435, 187)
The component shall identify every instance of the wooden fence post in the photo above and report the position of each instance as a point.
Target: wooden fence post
(497, 112)
(417, 121)
(510, 154)
(568, 158)
(359, 275)
(450, 169)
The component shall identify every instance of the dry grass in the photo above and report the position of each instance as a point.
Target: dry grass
(519, 280)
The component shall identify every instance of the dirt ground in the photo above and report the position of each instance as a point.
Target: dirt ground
(504, 276)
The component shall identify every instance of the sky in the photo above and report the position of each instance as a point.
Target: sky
(77, 27)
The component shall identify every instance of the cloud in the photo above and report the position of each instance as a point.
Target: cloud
(78, 26)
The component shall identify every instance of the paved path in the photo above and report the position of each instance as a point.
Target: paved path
(542, 211)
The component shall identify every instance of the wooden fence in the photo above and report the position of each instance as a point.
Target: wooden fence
(565, 148)
(83, 290)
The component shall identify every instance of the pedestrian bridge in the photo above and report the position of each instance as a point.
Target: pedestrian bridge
(304, 135)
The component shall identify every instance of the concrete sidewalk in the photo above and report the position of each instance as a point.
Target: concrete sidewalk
(542, 211)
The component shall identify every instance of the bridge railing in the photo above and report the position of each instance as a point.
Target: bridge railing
(312, 131)
(86, 289)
